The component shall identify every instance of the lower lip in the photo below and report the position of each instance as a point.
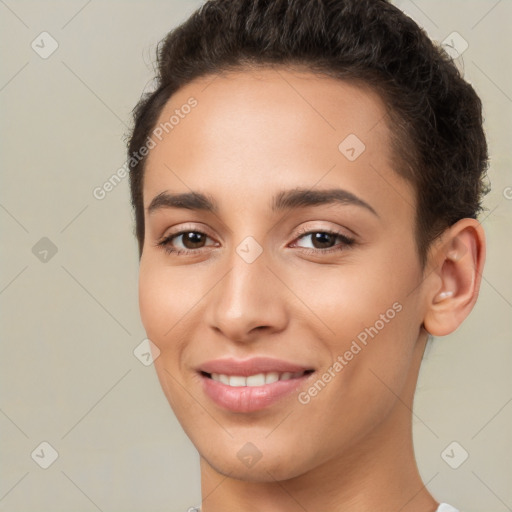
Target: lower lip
(250, 398)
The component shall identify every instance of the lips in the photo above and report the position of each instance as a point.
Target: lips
(251, 384)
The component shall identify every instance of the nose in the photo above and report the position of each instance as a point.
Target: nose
(248, 302)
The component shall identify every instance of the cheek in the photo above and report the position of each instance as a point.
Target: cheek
(371, 321)
(345, 301)
(152, 302)
(164, 297)
(170, 299)
(162, 303)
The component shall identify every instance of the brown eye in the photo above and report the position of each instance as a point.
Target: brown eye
(184, 242)
(192, 239)
(323, 241)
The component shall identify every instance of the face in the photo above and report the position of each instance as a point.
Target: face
(298, 264)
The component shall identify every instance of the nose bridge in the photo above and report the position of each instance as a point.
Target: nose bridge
(247, 296)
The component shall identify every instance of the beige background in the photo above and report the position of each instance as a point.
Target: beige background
(70, 325)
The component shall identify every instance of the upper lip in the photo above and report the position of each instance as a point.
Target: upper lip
(252, 366)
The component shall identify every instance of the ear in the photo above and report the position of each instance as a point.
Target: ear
(453, 285)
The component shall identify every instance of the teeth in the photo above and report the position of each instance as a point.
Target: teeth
(271, 377)
(237, 381)
(255, 380)
(259, 379)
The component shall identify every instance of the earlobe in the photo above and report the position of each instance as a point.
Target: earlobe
(454, 284)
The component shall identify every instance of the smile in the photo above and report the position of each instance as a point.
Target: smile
(248, 385)
(259, 379)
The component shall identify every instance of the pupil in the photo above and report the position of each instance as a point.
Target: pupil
(192, 238)
(317, 237)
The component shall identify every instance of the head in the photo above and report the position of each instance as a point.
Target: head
(283, 118)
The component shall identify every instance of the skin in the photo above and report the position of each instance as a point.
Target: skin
(253, 134)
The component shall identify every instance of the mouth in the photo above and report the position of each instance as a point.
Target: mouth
(251, 385)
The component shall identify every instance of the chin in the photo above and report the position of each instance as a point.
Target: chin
(244, 461)
(261, 471)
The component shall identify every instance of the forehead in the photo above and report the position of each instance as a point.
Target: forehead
(270, 127)
(279, 106)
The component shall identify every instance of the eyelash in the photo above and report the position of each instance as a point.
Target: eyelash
(347, 242)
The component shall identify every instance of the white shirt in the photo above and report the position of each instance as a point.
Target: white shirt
(443, 507)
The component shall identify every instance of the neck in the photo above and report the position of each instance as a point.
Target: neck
(378, 473)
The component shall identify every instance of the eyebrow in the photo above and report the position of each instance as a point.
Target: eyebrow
(284, 200)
